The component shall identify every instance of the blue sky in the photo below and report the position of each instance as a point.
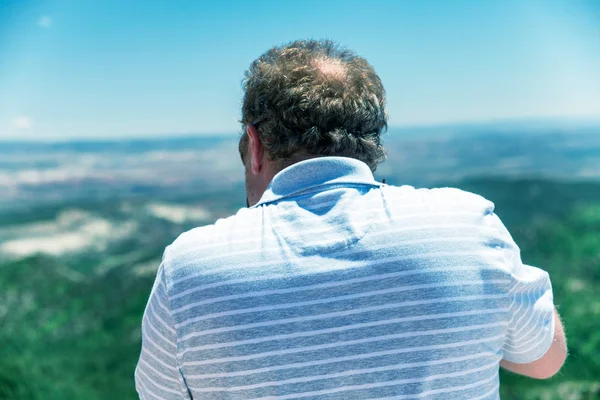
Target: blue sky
(117, 69)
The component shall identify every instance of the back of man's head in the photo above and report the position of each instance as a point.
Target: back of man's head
(314, 98)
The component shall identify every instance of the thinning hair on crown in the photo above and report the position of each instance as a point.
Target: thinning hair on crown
(314, 97)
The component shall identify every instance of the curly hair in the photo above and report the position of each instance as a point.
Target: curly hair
(316, 98)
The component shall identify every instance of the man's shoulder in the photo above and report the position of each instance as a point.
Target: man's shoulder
(441, 197)
(196, 247)
(461, 198)
(219, 233)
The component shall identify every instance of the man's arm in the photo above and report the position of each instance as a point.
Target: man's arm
(535, 344)
(157, 374)
(550, 363)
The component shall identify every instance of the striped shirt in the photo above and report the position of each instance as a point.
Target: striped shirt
(335, 286)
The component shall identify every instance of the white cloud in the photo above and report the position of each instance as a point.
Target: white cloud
(45, 21)
(22, 122)
(71, 231)
(178, 214)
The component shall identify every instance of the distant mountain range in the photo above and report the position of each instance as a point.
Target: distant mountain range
(186, 167)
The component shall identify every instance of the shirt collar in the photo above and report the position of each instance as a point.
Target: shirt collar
(310, 175)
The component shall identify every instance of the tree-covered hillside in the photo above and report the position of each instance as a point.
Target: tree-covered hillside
(70, 325)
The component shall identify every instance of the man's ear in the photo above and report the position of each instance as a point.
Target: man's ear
(256, 149)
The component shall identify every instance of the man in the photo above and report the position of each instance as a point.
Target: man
(332, 285)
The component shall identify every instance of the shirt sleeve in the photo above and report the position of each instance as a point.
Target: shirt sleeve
(530, 328)
(157, 375)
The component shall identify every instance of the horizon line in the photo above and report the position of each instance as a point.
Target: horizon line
(588, 121)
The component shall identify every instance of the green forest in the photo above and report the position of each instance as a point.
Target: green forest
(70, 326)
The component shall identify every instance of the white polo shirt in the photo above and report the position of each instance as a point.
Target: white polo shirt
(335, 286)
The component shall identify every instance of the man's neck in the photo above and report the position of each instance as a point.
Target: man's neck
(293, 159)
